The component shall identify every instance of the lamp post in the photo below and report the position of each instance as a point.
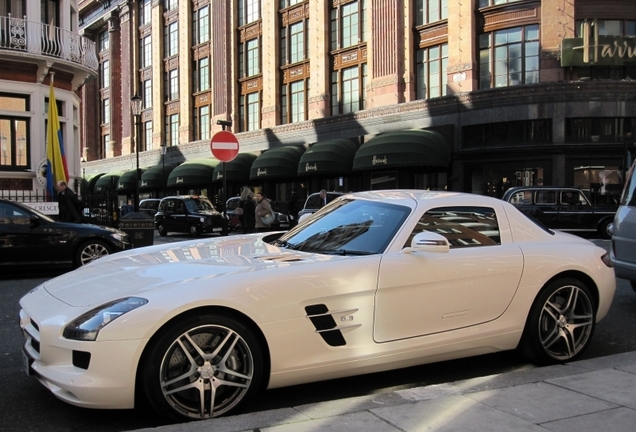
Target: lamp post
(135, 108)
(163, 165)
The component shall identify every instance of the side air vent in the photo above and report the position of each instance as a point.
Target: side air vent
(325, 324)
(81, 359)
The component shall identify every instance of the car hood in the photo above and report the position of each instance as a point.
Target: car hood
(167, 267)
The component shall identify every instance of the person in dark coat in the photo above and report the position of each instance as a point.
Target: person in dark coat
(68, 204)
(249, 211)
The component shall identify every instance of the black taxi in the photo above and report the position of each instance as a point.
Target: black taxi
(193, 214)
(565, 208)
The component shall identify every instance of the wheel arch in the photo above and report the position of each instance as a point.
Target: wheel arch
(218, 310)
(586, 279)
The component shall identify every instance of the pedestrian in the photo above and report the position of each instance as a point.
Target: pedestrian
(126, 208)
(69, 206)
(324, 198)
(263, 212)
(249, 211)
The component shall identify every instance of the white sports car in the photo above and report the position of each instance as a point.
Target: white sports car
(373, 281)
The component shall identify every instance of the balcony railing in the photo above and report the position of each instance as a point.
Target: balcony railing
(32, 37)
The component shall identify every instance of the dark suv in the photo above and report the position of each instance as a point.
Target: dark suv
(564, 208)
(189, 214)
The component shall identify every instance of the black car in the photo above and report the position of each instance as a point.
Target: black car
(30, 237)
(149, 206)
(191, 214)
(564, 208)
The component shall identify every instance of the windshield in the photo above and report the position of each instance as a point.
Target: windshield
(197, 204)
(348, 227)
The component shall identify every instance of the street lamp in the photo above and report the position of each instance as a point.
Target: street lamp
(135, 108)
(163, 165)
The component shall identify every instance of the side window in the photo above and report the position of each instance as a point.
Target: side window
(545, 197)
(13, 215)
(462, 226)
(573, 198)
(313, 202)
(521, 198)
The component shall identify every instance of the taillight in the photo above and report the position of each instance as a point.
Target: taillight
(606, 260)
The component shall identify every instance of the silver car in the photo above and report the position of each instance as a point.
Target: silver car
(623, 252)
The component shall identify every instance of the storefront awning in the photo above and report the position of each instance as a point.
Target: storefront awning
(128, 179)
(108, 182)
(332, 156)
(156, 176)
(92, 181)
(277, 163)
(237, 169)
(194, 172)
(406, 148)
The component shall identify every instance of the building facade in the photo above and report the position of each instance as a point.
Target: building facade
(475, 95)
(40, 43)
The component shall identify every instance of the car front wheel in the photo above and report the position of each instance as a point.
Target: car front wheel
(603, 229)
(202, 367)
(560, 324)
(90, 251)
(162, 230)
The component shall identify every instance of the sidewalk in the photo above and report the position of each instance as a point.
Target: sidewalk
(585, 396)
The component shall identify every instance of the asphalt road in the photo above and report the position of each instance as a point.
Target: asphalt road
(26, 405)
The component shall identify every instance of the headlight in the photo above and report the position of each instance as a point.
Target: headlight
(202, 219)
(119, 236)
(87, 326)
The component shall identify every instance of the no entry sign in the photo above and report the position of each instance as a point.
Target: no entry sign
(224, 146)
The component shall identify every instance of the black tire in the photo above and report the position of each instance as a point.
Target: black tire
(162, 230)
(195, 230)
(560, 324)
(91, 250)
(603, 230)
(211, 355)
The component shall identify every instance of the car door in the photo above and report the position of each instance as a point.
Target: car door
(575, 212)
(424, 293)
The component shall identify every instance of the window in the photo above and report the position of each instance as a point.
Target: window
(507, 134)
(431, 71)
(14, 142)
(297, 42)
(171, 33)
(106, 111)
(348, 25)
(148, 135)
(253, 63)
(248, 11)
(104, 74)
(486, 3)
(201, 25)
(347, 88)
(106, 144)
(600, 129)
(461, 226)
(294, 101)
(170, 5)
(250, 112)
(202, 123)
(430, 11)
(104, 41)
(147, 90)
(172, 129)
(172, 85)
(287, 3)
(145, 9)
(146, 52)
(509, 57)
(201, 74)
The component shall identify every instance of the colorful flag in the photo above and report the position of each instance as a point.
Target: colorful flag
(56, 168)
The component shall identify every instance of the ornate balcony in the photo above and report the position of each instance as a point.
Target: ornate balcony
(47, 45)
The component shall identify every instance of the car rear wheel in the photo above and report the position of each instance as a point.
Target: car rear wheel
(162, 230)
(202, 367)
(90, 251)
(560, 324)
(603, 229)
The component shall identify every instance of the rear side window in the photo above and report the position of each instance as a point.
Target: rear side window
(313, 202)
(545, 197)
(462, 226)
(629, 193)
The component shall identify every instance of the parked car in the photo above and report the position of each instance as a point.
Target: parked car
(623, 251)
(383, 280)
(149, 206)
(30, 237)
(564, 208)
(193, 214)
(281, 220)
(312, 204)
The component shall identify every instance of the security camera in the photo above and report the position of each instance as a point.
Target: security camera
(224, 123)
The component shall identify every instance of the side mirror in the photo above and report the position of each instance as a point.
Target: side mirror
(427, 241)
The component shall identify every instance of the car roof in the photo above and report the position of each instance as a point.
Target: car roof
(514, 189)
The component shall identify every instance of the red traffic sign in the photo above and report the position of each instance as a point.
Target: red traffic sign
(224, 146)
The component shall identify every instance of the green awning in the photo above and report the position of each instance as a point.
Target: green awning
(156, 177)
(108, 181)
(237, 169)
(332, 156)
(277, 163)
(92, 180)
(128, 180)
(406, 148)
(194, 172)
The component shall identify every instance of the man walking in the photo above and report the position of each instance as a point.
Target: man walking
(68, 203)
